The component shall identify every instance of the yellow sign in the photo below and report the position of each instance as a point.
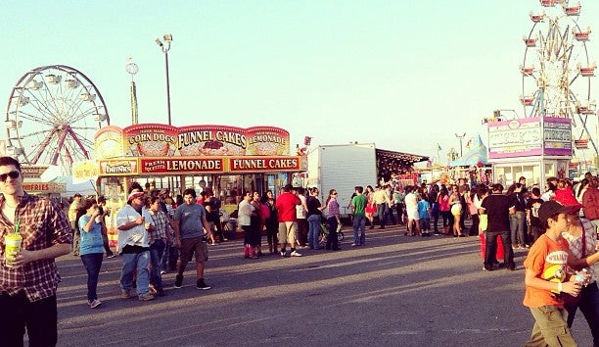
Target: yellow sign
(84, 171)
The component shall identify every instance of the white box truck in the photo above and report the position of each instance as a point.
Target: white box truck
(342, 167)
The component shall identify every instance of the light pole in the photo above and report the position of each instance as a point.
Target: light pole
(461, 137)
(132, 69)
(166, 46)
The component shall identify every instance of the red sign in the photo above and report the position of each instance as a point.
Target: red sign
(249, 164)
(182, 165)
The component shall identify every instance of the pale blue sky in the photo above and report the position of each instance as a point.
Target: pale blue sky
(403, 74)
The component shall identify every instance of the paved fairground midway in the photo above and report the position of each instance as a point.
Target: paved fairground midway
(395, 291)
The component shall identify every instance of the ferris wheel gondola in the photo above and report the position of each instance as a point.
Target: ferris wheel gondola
(52, 115)
(556, 70)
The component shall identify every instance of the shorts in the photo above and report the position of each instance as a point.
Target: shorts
(413, 214)
(196, 246)
(287, 232)
(456, 209)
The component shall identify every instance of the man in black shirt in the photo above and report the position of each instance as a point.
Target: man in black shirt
(532, 211)
(498, 206)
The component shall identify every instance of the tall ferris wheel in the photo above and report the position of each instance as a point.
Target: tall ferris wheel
(52, 115)
(557, 72)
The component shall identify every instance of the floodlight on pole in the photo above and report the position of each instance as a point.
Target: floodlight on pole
(165, 47)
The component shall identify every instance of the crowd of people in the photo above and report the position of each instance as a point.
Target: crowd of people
(557, 227)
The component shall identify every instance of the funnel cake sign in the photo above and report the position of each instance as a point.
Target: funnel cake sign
(161, 140)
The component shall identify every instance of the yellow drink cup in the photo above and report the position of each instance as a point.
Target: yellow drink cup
(12, 244)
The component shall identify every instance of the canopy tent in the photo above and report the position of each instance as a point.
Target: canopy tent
(476, 156)
(85, 188)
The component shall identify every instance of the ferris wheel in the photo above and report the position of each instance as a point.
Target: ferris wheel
(557, 72)
(52, 115)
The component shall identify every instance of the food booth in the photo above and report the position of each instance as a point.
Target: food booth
(35, 185)
(534, 147)
(228, 160)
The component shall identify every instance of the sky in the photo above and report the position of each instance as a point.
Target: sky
(406, 75)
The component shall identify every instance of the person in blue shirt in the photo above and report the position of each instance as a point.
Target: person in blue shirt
(424, 213)
(91, 247)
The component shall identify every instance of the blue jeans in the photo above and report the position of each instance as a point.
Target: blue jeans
(491, 248)
(589, 306)
(518, 227)
(92, 264)
(131, 261)
(156, 251)
(382, 210)
(359, 223)
(313, 230)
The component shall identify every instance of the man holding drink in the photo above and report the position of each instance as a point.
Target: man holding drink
(28, 273)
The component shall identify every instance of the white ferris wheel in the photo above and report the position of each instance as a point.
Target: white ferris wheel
(52, 115)
(557, 71)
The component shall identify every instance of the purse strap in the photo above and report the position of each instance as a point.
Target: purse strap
(584, 242)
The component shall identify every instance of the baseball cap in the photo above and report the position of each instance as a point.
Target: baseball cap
(551, 208)
(77, 195)
(135, 195)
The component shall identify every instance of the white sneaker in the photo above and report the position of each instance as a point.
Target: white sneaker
(295, 254)
(94, 304)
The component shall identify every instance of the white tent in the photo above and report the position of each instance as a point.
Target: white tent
(86, 188)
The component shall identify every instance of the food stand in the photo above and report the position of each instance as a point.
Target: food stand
(34, 184)
(229, 160)
(534, 147)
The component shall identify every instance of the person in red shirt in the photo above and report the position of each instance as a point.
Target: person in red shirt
(286, 210)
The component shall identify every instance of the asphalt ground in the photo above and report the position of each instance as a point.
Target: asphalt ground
(394, 291)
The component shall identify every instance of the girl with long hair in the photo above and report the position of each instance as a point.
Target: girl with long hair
(91, 247)
(334, 220)
(456, 211)
(271, 223)
(444, 209)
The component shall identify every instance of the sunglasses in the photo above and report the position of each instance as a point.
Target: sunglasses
(13, 174)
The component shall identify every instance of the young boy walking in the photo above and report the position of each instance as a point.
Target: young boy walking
(546, 270)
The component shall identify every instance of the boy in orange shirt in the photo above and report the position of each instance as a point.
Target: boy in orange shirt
(545, 279)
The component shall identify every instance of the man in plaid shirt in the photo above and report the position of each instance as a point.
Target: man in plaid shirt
(159, 236)
(28, 289)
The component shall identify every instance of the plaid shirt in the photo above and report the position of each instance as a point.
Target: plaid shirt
(161, 227)
(43, 224)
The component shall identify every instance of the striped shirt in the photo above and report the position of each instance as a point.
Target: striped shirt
(575, 244)
(43, 224)
(161, 227)
(333, 207)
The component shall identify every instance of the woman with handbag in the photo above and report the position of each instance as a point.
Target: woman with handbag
(582, 239)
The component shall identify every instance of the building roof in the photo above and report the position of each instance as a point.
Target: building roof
(406, 158)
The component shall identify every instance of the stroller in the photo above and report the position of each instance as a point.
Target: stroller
(324, 233)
